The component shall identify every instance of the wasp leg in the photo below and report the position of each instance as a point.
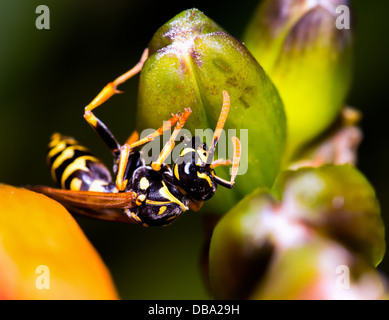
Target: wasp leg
(195, 205)
(235, 165)
(219, 126)
(166, 126)
(103, 132)
(125, 150)
(121, 183)
(169, 146)
(108, 91)
(133, 137)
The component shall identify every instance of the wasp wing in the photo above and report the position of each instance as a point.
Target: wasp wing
(117, 215)
(99, 205)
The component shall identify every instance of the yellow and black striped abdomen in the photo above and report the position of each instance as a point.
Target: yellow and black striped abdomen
(74, 167)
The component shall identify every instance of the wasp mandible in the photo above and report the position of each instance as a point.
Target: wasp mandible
(152, 195)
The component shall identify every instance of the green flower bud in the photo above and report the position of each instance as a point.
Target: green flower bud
(192, 60)
(320, 270)
(339, 201)
(242, 247)
(263, 236)
(308, 58)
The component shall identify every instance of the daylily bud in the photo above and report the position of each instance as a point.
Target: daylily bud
(44, 254)
(320, 270)
(192, 60)
(339, 201)
(242, 247)
(274, 248)
(307, 53)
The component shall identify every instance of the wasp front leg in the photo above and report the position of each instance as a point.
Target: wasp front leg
(125, 150)
(169, 146)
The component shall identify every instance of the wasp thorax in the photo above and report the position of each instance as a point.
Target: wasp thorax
(158, 202)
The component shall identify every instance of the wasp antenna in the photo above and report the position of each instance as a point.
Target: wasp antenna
(219, 126)
(234, 168)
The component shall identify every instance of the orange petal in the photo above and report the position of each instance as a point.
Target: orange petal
(43, 252)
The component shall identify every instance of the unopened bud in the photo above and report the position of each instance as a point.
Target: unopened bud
(306, 49)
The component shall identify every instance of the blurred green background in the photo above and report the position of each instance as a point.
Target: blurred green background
(48, 76)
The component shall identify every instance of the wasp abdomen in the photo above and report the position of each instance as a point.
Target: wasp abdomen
(74, 167)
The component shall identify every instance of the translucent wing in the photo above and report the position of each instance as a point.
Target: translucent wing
(99, 205)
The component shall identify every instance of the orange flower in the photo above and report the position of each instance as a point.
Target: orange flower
(43, 252)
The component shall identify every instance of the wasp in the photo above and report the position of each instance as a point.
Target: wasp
(150, 195)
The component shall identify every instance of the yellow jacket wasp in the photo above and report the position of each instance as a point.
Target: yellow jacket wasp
(149, 195)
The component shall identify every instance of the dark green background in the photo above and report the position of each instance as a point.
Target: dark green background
(48, 76)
